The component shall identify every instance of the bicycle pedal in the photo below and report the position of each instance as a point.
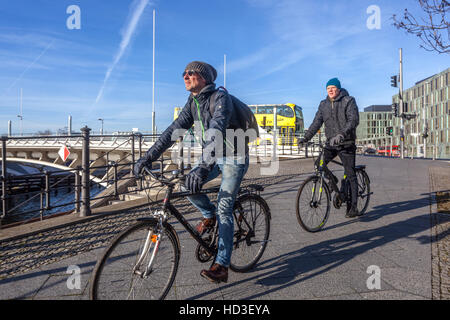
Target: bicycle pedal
(337, 201)
(202, 254)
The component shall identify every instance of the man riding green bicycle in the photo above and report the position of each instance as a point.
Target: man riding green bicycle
(339, 112)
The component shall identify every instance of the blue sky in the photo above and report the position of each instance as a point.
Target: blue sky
(277, 51)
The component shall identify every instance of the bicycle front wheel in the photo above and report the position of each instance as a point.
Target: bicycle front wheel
(251, 231)
(140, 264)
(363, 190)
(313, 204)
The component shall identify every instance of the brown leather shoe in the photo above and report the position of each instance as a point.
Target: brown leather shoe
(205, 225)
(217, 273)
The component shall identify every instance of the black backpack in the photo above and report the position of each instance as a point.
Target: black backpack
(242, 112)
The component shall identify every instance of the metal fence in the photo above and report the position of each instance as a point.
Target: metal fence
(115, 177)
(41, 186)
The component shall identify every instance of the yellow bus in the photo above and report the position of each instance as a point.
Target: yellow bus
(290, 124)
(176, 112)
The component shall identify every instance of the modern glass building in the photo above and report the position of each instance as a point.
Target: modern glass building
(371, 131)
(427, 105)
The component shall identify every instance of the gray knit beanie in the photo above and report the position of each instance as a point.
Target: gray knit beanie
(206, 70)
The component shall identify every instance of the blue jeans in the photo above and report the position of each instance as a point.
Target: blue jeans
(232, 174)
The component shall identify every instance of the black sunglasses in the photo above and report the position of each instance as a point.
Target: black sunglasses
(189, 72)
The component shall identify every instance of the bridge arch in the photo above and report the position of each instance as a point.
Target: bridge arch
(54, 165)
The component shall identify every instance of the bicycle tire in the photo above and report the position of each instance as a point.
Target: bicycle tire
(304, 205)
(249, 243)
(123, 252)
(363, 190)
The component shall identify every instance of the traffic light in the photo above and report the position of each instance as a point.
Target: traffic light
(402, 134)
(425, 133)
(389, 131)
(394, 81)
(395, 109)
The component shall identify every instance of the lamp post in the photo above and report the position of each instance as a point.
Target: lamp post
(101, 131)
(21, 127)
(20, 116)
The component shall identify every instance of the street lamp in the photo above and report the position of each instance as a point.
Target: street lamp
(21, 127)
(101, 132)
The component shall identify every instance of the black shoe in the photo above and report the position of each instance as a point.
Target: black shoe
(353, 213)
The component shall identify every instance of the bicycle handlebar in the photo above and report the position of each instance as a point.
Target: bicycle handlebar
(163, 179)
(326, 144)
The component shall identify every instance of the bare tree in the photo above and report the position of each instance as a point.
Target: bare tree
(433, 29)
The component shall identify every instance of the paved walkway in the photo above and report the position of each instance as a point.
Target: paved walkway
(396, 235)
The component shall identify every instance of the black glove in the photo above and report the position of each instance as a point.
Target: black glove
(140, 165)
(196, 178)
(337, 140)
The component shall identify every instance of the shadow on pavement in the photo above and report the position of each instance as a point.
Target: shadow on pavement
(338, 251)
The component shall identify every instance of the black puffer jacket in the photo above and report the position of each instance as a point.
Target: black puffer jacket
(223, 118)
(341, 116)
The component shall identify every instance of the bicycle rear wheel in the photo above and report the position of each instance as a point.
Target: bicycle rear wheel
(251, 231)
(120, 274)
(313, 204)
(363, 190)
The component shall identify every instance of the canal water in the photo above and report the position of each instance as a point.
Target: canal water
(58, 196)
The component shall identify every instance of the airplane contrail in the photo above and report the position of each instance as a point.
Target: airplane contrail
(126, 37)
(29, 66)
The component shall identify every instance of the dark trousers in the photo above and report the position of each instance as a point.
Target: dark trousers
(347, 155)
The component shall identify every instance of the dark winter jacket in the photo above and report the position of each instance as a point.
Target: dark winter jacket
(341, 116)
(222, 119)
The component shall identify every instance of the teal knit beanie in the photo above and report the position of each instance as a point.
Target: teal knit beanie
(334, 82)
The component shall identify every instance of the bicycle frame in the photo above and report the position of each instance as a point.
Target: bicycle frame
(168, 207)
(321, 168)
(169, 210)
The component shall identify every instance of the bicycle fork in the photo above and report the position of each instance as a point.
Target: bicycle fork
(316, 199)
(152, 240)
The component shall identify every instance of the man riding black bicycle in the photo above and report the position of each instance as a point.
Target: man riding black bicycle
(340, 115)
(199, 79)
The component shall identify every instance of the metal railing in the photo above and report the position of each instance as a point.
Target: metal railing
(116, 173)
(40, 186)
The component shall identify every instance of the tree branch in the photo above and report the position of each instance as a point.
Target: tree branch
(430, 32)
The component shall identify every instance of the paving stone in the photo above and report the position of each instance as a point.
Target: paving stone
(398, 234)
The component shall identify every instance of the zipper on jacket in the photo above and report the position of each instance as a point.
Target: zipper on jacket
(203, 128)
(200, 118)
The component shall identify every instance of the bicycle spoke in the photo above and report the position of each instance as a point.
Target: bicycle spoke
(122, 272)
(251, 233)
(363, 191)
(313, 204)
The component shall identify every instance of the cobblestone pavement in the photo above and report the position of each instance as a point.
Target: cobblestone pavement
(440, 181)
(304, 258)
